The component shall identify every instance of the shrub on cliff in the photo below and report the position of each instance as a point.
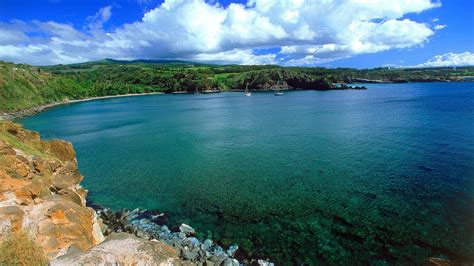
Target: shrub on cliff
(17, 248)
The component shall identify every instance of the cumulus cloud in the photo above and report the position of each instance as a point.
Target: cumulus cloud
(450, 59)
(439, 27)
(303, 31)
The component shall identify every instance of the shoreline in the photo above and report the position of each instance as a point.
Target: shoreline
(35, 110)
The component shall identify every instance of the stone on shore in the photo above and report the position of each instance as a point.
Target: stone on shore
(186, 229)
(122, 249)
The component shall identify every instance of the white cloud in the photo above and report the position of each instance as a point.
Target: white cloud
(439, 27)
(102, 16)
(244, 57)
(10, 35)
(450, 59)
(307, 31)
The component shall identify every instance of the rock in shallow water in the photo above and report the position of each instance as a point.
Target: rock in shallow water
(191, 242)
(189, 248)
(186, 229)
(265, 263)
(206, 245)
(231, 262)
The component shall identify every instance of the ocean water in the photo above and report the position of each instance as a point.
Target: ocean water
(384, 175)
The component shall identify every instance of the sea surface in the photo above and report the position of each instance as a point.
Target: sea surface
(383, 175)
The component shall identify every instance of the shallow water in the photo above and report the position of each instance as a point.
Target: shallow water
(381, 175)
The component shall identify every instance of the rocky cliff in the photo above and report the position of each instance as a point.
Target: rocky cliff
(40, 192)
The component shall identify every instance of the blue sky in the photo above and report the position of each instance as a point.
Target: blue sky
(343, 33)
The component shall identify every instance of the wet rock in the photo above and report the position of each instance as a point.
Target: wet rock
(186, 229)
(206, 245)
(265, 263)
(218, 259)
(191, 242)
(122, 214)
(190, 254)
(231, 262)
(139, 223)
(232, 249)
(210, 263)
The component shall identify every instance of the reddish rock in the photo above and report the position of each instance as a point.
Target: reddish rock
(11, 216)
(42, 193)
(62, 150)
(6, 149)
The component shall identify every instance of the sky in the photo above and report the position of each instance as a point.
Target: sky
(328, 33)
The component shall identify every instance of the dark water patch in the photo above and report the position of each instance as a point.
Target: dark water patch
(425, 168)
(349, 237)
(341, 221)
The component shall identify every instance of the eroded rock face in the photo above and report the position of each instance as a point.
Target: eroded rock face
(40, 192)
(122, 249)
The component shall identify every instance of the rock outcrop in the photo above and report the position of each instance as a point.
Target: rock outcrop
(40, 192)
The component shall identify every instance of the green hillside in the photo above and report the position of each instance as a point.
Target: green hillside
(23, 86)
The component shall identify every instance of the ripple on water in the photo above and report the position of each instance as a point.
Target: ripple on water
(380, 175)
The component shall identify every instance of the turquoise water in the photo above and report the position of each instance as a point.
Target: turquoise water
(383, 175)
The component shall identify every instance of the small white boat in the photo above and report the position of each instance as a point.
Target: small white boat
(247, 92)
(278, 93)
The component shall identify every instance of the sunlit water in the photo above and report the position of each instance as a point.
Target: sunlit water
(381, 175)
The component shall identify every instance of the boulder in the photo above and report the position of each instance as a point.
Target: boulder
(68, 177)
(232, 249)
(11, 217)
(122, 249)
(231, 262)
(6, 149)
(40, 192)
(186, 229)
(66, 222)
(61, 149)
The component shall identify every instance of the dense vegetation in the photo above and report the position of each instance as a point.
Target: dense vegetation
(24, 86)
